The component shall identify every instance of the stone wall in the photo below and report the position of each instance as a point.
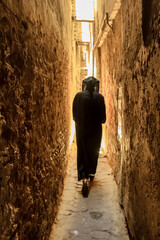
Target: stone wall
(130, 75)
(35, 40)
(108, 71)
(110, 82)
(141, 119)
(103, 7)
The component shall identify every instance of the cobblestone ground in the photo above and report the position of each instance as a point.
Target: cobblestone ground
(97, 217)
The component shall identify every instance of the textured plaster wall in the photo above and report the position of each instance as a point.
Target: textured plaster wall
(130, 76)
(111, 55)
(35, 42)
(141, 120)
(103, 7)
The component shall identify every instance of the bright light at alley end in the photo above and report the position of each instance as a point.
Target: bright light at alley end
(84, 10)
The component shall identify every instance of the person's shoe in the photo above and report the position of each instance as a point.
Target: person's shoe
(85, 189)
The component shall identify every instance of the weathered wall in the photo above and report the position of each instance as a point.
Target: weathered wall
(35, 41)
(103, 7)
(108, 71)
(141, 120)
(130, 75)
(110, 81)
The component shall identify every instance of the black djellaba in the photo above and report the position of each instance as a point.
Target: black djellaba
(89, 114)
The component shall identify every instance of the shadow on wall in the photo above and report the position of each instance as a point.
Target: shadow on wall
(146, 20)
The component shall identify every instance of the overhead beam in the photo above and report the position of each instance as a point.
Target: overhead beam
(81, 20)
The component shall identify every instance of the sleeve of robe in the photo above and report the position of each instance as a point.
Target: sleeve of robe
(99, 108)
(103, 111)
(74, 108)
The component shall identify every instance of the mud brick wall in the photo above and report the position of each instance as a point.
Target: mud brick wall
(141, 117)
(34, 114)
(111, 57)
(103, 7)
(130, 75)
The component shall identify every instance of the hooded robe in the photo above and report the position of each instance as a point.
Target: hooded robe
(88, 114)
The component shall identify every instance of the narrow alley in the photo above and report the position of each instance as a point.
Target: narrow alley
(47, 49)
(97, 217)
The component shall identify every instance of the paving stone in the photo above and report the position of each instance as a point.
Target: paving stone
(100, 235)
(97, 217)
(82, 237)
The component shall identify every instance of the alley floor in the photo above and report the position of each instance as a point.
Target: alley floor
(97, 217)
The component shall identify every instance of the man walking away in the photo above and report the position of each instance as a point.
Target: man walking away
(88, 114)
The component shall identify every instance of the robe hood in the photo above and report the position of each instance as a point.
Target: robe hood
(90, 83)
